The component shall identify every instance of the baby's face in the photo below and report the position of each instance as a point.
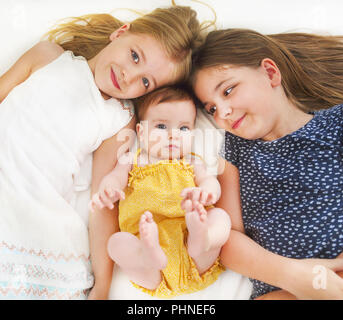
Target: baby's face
(166, 130)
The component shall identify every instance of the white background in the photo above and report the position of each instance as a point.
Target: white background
(23, 22)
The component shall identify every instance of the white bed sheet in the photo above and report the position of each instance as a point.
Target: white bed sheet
(22, 23)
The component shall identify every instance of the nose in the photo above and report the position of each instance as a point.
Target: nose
(173, 134)
(224, 111)
(129, 75)
(124, 75)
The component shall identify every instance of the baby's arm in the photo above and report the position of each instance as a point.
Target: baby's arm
(35, 58)
(112, 185)
(208, 188)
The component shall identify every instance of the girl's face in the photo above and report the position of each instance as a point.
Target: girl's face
(130, 65)
(166, 131)
(241, 99)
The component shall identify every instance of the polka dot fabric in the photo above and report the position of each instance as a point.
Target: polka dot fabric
(292, 189)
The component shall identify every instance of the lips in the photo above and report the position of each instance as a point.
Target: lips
(114, 80)
(238, 122)
(172, 146)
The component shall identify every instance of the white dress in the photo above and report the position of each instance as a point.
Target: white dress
(49, 126)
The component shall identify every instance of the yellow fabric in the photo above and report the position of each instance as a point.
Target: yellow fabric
(157, 188)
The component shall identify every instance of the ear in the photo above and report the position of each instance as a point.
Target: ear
(117, 33)
(272, 70)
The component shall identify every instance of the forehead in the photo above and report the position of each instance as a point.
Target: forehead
(215, 73)
(183, 110)
(209, 80)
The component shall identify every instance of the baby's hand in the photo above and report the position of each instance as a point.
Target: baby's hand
(105, 198)
(198, 194)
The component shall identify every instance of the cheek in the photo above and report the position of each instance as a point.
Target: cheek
(187, 140)
(157, 136)
(221, 123)
(134, 91)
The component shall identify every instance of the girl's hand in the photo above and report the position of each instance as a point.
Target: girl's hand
(105, 198)
(315, 279)
(199, 194)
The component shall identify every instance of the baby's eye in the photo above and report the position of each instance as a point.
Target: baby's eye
(134, 56)
(145, 83)
(161, 126)
(184, 128)
(227, 91)
(212, 110)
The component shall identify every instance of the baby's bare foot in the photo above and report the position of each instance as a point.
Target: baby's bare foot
(152, 251)
(198, 226)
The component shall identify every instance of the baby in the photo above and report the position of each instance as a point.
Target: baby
(171, 235)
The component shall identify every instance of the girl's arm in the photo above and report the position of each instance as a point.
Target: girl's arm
(103, 223)
(243, 255)
(35, 58)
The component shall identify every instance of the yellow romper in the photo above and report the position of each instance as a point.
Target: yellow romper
(156, 188)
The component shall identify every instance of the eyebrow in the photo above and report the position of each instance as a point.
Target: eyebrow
(160, 120)
(167, 120)
(141, 52)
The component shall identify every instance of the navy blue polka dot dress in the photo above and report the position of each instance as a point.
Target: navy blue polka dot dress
(292, 189)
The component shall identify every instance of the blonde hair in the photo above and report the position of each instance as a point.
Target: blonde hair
(311, 65)
(164, 94)
(176, 28)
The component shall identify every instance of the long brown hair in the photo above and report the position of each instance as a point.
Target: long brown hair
(176, 28)
(311, 65)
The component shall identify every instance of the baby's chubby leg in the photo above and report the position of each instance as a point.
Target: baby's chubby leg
(207, 233)
(141, 259)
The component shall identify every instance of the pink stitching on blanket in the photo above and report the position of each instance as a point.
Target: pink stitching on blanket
(45, 291)
(44, 255)
(37, 271)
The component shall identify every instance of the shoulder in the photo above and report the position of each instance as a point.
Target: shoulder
(335, 112)
(33, 59)
(199, 165)
(338, 112)
(233, 147)
(330, 120)
(194, 159)
(43, 53)
(231, 141)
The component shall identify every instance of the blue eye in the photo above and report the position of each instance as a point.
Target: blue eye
(134, 56)
(184, 128)
(161, 126)
(212, 110)
(145, 83)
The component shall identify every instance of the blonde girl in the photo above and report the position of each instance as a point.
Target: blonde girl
(282, 156)
(60, 102)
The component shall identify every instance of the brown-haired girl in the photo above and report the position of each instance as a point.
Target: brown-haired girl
(59, 104)
(283, 169)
